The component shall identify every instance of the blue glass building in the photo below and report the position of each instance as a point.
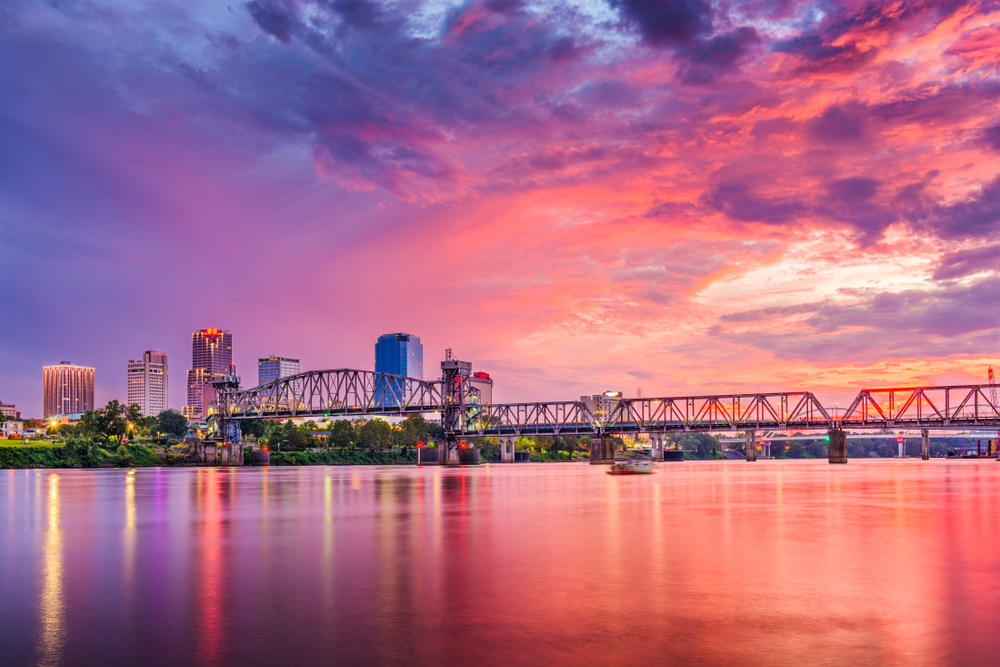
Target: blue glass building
(399, 354)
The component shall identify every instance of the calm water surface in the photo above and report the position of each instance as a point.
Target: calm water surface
(730, 563)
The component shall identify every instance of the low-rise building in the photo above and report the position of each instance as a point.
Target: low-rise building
(9, 410)
(12, 428)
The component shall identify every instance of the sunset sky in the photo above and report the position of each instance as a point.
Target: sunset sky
(683, 196)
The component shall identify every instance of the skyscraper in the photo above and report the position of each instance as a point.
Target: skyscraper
(211, 358)
(67, 389)
(272, 368)
(147, 383)
(400, 354)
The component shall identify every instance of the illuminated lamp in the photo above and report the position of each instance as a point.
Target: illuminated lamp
(265, 448)
(420, 445)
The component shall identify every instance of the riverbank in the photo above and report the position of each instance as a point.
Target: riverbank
(89, 455)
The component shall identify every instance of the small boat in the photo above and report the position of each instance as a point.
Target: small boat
(632, 467)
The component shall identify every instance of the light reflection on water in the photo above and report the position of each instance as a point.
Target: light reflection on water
(876, 562)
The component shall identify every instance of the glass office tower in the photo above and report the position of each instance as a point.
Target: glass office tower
(272, 368)
(399, 354)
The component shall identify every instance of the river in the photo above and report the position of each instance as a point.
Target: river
(891, 562)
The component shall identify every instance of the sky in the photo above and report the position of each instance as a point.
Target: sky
(682, 196)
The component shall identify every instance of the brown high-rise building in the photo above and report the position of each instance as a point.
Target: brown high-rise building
(67, 389)
(211, 358)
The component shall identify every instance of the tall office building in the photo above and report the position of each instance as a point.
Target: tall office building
(211, 359)
(147, 383)
(67, 389)
(272, 368)
(400, 354)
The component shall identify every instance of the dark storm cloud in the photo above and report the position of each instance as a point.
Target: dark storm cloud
(992, 137)
(975, 217)
(841, 124)
(668, 23)
(741, 196)
(950, 320)
(965, 262)
(704, 60)
(273, 17)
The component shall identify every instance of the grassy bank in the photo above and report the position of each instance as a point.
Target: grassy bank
(83, 454)
(338, 457)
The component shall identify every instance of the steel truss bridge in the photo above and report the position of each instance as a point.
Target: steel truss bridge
(349, 392)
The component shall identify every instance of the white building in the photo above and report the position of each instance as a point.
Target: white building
(484, 384)
(148, 386)
(11, 427)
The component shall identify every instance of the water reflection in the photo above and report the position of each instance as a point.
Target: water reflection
(707, 563)
(52, 608)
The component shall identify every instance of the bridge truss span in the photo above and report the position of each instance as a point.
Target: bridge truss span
(334, 393)
(530, 419)
(733, 412)
(959, 406)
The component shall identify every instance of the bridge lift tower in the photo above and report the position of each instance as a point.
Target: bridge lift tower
(455, 376)
(993, 397)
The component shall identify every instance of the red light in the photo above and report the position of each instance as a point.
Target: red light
(464, 445)
(264, 448)
(420, 445)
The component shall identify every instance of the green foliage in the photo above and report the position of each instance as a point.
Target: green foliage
(339, 457)
(77, 453)
(414, 429)
(342, 434)
(375, 434)
(253, 428)
(113, 421)
(701, 445)
(171, 422)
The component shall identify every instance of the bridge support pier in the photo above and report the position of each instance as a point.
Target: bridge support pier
(751, 445)
(602, 450)
(448, 453)
(506, 450)
(925, 445)
(838, 445)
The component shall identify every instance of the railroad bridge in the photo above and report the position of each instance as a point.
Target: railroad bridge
(350, 392)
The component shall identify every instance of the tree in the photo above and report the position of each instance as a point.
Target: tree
(375, 434)
(342, 434)
(171, 422)
(414, 429)
(253, 428)
(115, 420)
(796, 450)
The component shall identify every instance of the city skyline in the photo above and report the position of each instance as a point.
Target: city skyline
(731, 197)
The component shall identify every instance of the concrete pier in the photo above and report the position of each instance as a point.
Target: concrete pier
(506, 450)
(925, 445)
(602, 450)
(657, 449)
(751, 445)
(838, 445)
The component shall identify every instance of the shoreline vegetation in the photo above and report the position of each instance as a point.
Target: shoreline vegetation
(117, 436)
